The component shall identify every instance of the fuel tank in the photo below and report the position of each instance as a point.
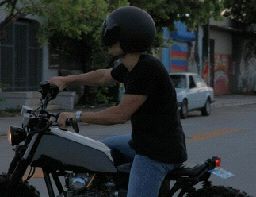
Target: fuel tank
(72, 149)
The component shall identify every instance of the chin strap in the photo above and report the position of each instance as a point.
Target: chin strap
(116, 60)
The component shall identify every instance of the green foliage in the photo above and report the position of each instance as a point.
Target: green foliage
(9, 112)
(70, 18)
(102, 96)
(76, 18)
(192, 12)
(243, 11)
(113, 4)
(79, 21)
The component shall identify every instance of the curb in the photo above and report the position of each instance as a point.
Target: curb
(228, 102)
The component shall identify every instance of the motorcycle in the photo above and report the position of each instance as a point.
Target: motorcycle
(86, 166)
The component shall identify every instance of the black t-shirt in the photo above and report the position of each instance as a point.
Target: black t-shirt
(156, 128)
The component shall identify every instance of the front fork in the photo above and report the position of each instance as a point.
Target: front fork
(19, 152)
(21, 161)
(18, 166)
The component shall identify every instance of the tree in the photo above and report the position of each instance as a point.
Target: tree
(192, 12)
(73, 27)
(8, 7)
(69, 17)
(243, 11)
(74, 18)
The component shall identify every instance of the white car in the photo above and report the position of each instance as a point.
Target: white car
(192, 93)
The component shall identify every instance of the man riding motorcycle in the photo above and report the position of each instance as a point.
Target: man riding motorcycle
(149, 101)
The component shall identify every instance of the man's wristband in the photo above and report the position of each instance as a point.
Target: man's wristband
(78, 116)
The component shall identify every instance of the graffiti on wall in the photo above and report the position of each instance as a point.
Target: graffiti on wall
(247, 67)
(221, 73)
(179, 56)
(182, 56)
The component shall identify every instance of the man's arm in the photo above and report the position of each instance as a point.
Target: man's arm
(116, 114)
(112, 115)
(92, 78)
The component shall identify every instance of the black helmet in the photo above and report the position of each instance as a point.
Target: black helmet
(133, 27)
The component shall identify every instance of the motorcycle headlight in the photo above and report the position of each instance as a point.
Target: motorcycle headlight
(16, 135)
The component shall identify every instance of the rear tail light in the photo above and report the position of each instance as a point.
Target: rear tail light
(217, 161)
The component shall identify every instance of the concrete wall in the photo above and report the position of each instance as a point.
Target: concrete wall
(223, 41)
(47, 73)
(225, 22)
(246, 70)
(222, 60)
(14, 100)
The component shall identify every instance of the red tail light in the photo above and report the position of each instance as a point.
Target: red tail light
(217, 162)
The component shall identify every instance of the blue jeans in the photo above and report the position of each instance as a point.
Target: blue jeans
(146, 175)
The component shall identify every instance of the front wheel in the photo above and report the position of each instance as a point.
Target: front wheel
(23, 189)
(219, 191)
(206, 110)
(184, 109)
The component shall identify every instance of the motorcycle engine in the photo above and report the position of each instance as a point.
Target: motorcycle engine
(78, 182)
(87, 185)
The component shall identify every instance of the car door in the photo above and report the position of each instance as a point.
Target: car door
(192, 93)
(201, 91)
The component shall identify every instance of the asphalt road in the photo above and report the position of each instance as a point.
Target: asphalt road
(228, 132)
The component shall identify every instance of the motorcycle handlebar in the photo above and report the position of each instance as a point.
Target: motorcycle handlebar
(48, 90)
(73, 123)
(70, 122)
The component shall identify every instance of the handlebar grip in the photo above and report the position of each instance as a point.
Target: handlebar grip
(73, 123)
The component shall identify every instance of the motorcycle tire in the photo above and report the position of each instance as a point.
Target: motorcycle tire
(219, 191)
(23, 189)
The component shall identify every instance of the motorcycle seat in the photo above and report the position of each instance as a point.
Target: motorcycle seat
(186, 170)
(123, 154)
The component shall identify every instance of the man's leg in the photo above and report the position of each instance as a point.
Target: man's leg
(120, 142)
(146, 177)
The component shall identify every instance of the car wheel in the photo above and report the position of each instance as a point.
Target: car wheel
(184, 109)
(206, 110)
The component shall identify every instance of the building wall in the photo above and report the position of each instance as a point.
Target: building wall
(245, 65)
(46, 71)
(222, 61)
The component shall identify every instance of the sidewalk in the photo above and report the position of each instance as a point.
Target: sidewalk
(220, 101)
(233, 100)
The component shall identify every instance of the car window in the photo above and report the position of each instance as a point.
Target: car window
(179, 81)
(192, 83)
(199, 81)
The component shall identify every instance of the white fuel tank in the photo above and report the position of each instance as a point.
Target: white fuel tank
(76, 150)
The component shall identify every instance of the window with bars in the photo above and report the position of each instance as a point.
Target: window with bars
(21, 57)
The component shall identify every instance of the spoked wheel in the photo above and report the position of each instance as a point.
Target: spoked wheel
(219, 191)
(23, 189)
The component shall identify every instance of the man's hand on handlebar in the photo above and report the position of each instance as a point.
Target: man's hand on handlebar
(64, 117)
(58, 81)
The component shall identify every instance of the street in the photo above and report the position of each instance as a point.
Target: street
(229, 132)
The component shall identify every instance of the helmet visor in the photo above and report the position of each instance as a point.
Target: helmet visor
(110, 33)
